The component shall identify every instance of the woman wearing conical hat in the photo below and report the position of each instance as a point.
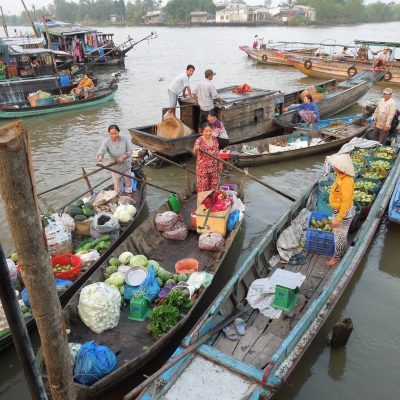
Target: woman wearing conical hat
(341, 200)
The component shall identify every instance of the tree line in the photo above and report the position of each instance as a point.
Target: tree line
(176, 11)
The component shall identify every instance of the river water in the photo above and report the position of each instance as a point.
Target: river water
(63, 143)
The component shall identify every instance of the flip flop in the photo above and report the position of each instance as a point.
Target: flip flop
(230, 333)
(240, 326)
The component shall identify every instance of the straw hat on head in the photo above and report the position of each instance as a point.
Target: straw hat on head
(342, 162)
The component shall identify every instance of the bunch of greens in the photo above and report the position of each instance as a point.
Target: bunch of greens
(164, 317)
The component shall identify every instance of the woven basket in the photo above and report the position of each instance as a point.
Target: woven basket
(170, 128)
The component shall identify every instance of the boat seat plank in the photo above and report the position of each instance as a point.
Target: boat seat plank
(263, 349)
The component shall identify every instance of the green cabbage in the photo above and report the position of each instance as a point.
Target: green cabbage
(116, 279)
(125, 257)
(155, 264)
(138, 260)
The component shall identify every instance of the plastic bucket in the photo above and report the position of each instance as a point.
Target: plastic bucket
(186, 266)
(64, 80)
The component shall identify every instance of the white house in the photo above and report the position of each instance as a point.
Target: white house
(233, 12)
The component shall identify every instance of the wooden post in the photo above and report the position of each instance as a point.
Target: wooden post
(18, 193)
(19, 333)
(341, 332)
(85, 177)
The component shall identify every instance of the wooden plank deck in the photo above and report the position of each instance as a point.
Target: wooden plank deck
(263, 335)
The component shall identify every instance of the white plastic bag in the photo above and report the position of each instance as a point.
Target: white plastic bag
(99, 306)
(165, 221)
(58, 237)
(89, 258)
(68, 221)
(211, 241)
(12, 269)
(104, 224)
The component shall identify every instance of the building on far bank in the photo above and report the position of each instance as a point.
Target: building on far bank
(154, 17)
(198, 17)
(284, 14)
(115, 18)
(233, 12)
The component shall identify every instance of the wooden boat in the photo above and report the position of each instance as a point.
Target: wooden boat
(250, 115)
(337, 97)
(323, 139)
(394, 205)
(130, 341)
(6, 340)
(99, 48)
(257, 365)
(101, 95)
(245, 115)
(332, 67)
(275, 55)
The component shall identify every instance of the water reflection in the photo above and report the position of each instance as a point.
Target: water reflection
(337, 363)
(388, 263)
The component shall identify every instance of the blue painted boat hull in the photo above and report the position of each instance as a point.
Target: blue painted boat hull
(394, 205)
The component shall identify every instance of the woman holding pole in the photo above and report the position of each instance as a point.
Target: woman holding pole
(207, 168)
(119, 149)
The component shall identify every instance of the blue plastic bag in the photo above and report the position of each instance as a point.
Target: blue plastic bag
(150, 287)
(25, 298)
(62, 284)
(232, 220)
(93, 362)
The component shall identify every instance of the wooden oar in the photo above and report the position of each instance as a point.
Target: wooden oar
(138, 179)
(135, 392)
(174, 163)
(246, 173)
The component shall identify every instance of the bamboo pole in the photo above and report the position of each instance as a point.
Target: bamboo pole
(19, 333)
(30, 20)
(19, 196)
(138, 179)
(85, 177)
(4, 22)
(246, 173)
(174, 163)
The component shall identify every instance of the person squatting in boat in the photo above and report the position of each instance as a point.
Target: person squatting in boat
(341, 200)
(207, 168)
(308, 110)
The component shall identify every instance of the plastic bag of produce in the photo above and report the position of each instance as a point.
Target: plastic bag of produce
(89, 258)
(73, 351)
(68, 221)
(12, 269)
(165, 221)
(59, 240)
(104, 223)
(211, 241)
(93, 362)
(150, 287)
(99, 306)
(179, 231)
(62, 284)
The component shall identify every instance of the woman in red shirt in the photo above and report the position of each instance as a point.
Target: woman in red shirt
(207, 168)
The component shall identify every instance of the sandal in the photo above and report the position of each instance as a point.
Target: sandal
(240, 326)
(230, 333)
(332, 262)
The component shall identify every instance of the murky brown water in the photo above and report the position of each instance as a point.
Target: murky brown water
(368, 367)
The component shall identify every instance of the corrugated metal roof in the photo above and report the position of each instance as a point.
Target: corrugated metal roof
(18, 50)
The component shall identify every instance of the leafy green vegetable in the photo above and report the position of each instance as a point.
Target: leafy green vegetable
(180, 300)
(162, 319)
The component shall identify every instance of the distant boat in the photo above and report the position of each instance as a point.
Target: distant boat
(331, 66)
(26, 67)
(96, 48)
(101, 95)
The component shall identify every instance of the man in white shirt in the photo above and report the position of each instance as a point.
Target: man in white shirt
(381, 59)
(206, 94)
(383, 116)
(178, 86)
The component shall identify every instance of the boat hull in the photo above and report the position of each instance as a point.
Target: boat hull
(394, 205)
(7, 113)
(325, 69)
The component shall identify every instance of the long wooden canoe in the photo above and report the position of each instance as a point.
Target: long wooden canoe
(139, 197)
(275, 55)
(100, 96)
(247, 118)
(256, 366)
(330, 138)
(394, 205)
(130, 341)
(325, 68)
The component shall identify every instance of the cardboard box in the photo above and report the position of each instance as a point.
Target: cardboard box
(216, 221)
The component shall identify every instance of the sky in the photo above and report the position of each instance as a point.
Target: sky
(15, 6)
